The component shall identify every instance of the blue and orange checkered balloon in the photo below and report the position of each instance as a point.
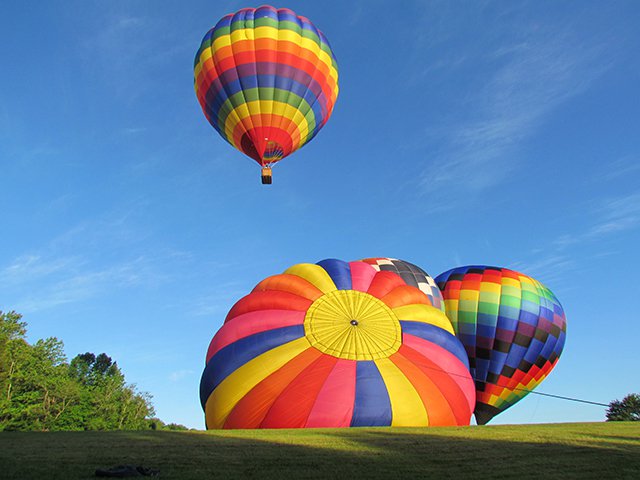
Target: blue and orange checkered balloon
(513, 329)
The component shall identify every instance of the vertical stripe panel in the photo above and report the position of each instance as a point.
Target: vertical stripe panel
(407, 409)
(372, 406)
(339, 272)
(292, 407)
(314, 274)
(361, 275)
(334, 403)
(444, 361)
(250, 411)
(439, 411)
(235, 386)
(461, 398)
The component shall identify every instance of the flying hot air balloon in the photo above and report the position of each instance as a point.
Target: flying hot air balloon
(512, 327)
(267, 81)
(335, 344)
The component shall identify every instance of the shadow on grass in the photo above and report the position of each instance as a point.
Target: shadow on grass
(478, 452)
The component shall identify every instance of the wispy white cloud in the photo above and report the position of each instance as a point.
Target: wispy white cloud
(134, 130)
(5, 120)
(357, 11)
(611, 216)
(115, 229)
(89, 260)
(38, 283)
(126, 51)
(533, 77)
(217, 303)
(550, 269)
(617, 214)
(37, 153)
(179, 375)
(29, 267)
(115, 47)
(621, 167)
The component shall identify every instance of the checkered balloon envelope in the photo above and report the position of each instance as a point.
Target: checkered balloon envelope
(412, 275)
(512, 327)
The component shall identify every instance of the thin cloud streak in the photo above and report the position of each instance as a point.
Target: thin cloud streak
(614, 215)
(30, 267)
(621, 168)
(550, 270)
(216, 304)
(50, 283)
(618, 214)
(126, 48)
(88, 260)
(180, 375)
(537, 76)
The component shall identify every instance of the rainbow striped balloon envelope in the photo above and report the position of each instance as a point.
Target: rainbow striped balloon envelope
(335, 344)
(267, 81)
(513, 329)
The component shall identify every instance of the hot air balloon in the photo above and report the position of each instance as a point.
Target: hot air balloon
(267, 81)
(335, 344)
(513, 329)
(412, 275)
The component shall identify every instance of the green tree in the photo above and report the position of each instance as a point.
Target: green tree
(11, 327)
(157, 424)
(12, 332)
(626, 410)
(111, 403)
(39, 390)
(108, 402)
(13, 351)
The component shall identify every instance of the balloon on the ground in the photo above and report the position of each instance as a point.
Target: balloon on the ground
(412, 275)
(513, 328)
(335, 344)
(267, 81)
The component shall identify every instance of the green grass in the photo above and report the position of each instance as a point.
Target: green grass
(591, 450)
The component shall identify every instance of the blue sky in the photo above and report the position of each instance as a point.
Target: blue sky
(503, 133)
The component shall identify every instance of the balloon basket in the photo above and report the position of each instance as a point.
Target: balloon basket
(266, 176)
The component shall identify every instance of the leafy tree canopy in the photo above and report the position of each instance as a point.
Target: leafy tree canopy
(625, 410)
(40, 390)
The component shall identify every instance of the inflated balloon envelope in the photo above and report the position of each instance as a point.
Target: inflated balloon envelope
(513, 329)
(412, 275)
(336, 344)
(267, 81)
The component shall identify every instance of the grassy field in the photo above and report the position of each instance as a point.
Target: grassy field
(592, 450)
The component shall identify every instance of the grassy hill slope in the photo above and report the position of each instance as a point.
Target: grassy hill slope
(593, 450)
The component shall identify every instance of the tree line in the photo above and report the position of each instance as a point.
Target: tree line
(41, 390)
